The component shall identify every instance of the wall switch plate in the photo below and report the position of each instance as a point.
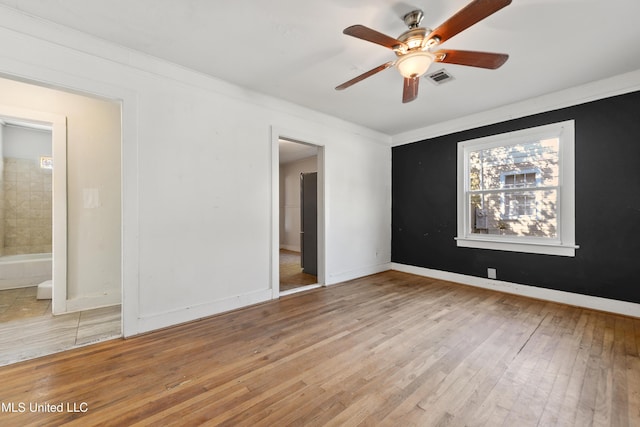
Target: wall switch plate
(491, 273)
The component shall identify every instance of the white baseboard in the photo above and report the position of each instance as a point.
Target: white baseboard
(357, 273)
(150, 322)
(299, 289)
(596, 303)
(92, 302)
(26, 282)
(293, 248)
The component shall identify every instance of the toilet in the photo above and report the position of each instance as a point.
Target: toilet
(44, 290)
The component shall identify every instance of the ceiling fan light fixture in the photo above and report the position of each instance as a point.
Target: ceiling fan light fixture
(414, 64)
(413, 48)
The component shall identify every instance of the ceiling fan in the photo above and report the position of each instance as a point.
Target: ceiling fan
(414, 46)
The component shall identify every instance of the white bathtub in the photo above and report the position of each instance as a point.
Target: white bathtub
(20, 271)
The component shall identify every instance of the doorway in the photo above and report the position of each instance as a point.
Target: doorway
(35, 212)
(32, 192)
(300, 216)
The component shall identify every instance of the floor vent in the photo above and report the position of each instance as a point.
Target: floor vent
(440, 77)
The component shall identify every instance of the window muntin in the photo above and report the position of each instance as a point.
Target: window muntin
(515, 190)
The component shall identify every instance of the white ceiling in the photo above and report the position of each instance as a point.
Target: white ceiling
(295, 50)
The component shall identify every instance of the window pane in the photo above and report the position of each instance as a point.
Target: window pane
(515, 213)
(523, 165)
(509, 180)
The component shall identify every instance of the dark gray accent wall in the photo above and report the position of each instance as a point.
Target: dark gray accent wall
(607, 264)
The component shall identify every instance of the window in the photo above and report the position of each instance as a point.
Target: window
(520, 207)
(516, 191)
(519, 179)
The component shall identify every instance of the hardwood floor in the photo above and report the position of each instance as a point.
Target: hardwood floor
(390, 349)
(291, 274)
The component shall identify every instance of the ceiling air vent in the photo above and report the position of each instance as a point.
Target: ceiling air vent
(439, 77)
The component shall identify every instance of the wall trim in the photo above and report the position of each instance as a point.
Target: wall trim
(18, 283)
(585, 301)
(91, 302)
(357, 273)
(606, 88)
(151, 322)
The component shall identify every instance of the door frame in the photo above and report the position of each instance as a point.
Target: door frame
(58, 125)
(300, 138)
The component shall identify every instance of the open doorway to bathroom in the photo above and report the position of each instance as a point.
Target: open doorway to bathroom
(298, 219)
(48, 298)
(26, 212)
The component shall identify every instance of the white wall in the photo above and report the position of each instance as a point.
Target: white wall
(360, 183)
(197, 190)
(93, 164)
(290, 201)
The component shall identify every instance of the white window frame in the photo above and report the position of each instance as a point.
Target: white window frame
(564, 243)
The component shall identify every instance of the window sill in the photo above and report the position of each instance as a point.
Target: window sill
(525, 247)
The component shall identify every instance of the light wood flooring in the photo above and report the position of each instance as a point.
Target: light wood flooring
(28, 330)
(390, 349)
(291, 274)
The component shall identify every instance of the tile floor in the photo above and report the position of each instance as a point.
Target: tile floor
(28, 330)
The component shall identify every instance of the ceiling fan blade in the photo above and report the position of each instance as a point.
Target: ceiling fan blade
(364, 75)
(471, 58)
(474, 12)
(410, 90)
(373, 36)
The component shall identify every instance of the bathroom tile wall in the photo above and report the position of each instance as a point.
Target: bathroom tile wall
(27, 207)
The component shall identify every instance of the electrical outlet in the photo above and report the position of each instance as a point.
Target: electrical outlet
(491, 273)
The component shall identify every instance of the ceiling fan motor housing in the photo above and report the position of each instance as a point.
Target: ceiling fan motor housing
(414, 39)
(413, 19)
